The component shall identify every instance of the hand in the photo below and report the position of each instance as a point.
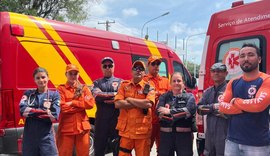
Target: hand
(216, 106)
(163, 110)
(68, 103)
(47, 104)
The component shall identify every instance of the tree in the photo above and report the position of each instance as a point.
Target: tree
(62, 10)
(190, 67)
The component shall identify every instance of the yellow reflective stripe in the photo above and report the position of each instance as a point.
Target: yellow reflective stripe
(44, 55)
(153, 48)
(72, 59)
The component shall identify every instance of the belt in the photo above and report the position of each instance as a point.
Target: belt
(176, 129)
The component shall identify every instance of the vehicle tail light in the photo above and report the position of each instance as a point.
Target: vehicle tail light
(17, 30)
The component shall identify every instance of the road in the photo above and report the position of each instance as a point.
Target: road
(154, 153)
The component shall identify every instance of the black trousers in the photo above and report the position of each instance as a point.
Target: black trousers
(105, 132)
(179, 142)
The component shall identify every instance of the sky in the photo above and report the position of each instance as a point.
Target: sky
(186, 19)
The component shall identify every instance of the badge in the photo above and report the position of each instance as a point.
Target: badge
(115, 85)
(140, 92)
(252, 91)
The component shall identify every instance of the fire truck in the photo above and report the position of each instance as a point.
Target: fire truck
(27, 42)
(227, 31)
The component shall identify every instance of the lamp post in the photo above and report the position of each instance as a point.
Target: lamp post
(152, 20)
(186, 39)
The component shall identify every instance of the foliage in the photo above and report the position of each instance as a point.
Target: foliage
(190, 67)
(63, 10)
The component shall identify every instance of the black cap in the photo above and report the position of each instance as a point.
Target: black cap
(219, 66)
(107, 59)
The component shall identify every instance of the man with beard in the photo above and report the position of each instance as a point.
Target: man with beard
(104, 91)
(246, 100)
(134, 99)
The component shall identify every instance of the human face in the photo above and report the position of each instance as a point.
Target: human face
(218, 76)
(107, 69)
(248, 59)
(41, 79)
(153, 67)
(72, 76)
(177, 82)
(138, 72)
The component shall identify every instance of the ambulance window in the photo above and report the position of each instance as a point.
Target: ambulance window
(228, 53)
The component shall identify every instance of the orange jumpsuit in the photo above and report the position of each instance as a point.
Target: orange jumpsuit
(134, 126)
(162, 85)
(74, 126)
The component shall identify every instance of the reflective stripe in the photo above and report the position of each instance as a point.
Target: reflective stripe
(153, 48)
(64, 48)
(177, 129)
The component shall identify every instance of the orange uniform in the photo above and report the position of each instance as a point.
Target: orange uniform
(74, 126)
(134, 126)
(161, 85)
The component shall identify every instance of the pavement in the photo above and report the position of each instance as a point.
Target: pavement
(154, 153)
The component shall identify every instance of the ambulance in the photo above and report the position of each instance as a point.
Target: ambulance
(227, 31)
(27, 42)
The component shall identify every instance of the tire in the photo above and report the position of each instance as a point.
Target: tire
(91, 147)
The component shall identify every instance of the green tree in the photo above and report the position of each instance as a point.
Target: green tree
(191, 66)
(63, 10)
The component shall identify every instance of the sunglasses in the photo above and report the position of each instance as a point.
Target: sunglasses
(73, 74)
(107, 66)
(177, 81)
(138, 68)
(155, 63)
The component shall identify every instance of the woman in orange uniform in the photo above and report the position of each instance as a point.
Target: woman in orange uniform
(74, 126)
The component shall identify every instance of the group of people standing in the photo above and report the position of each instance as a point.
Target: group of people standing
(133, 114)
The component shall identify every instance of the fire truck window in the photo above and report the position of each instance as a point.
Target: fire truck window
(180, 68)
(163, 69)
(229, 54)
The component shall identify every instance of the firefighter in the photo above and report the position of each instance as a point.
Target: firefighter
(135, 98)
(161, 85)
(74, 126)
(175, 109)
(104, 91)
(40, 107)
(217, 123)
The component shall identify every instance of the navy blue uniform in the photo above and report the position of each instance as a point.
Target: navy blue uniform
(106, 115)
(217, 124)
(38, 135)
(176, 128)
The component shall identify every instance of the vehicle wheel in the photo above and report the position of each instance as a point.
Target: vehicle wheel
(91, 147)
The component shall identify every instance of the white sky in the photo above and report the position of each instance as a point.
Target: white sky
(186, 17)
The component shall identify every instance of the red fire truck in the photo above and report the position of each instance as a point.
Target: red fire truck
(27, 42)
(227, 32)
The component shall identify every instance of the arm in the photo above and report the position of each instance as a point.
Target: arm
(205, 108)
(187, 111)
(226, 106)
(85, 101)
(66, 105)
(139, 103)
(257, 104)
(119, 99)
(27, 111)
(101, 96)
(163, 108)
